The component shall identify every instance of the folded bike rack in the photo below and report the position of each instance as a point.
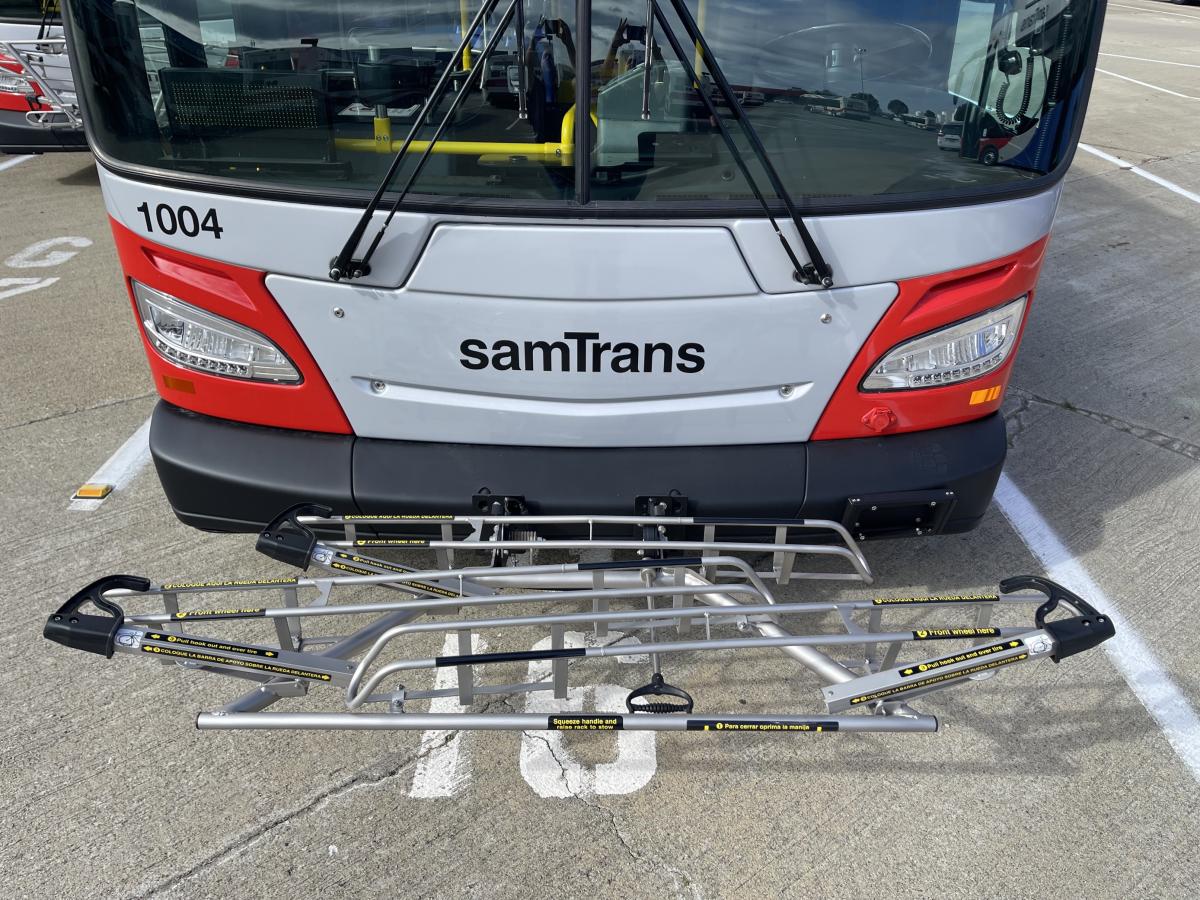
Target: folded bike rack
(687, 588)
(35, 58)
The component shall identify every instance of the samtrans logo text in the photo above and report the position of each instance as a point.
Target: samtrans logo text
(581, 351)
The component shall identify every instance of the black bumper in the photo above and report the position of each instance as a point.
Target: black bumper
(18, 136)
(225, 476)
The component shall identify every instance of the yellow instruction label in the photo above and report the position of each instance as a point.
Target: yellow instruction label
(237, 613)
(211, 645)
(253, 664)
(242, 582)
(586, 723)
(939, 598)
(974, 653)
(938, 679)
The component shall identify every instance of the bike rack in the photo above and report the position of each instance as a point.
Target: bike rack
(32, 55)
(686, 587)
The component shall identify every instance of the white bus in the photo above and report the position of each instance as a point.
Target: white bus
(762, 312)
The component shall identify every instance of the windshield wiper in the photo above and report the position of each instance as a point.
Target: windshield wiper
(344, 265)
(816, 271)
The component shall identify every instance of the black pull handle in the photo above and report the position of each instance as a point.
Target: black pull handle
(1088, 628)
(287, 540)
(659, 688)
(84, 631)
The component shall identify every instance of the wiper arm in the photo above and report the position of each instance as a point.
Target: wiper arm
(344, 264)
(817, 271)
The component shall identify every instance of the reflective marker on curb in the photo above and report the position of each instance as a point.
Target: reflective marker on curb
(92, 491)
(116, 473)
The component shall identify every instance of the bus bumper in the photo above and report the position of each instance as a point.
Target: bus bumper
(18, 136)
(226, 476)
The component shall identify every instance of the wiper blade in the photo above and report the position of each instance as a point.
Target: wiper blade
(816, 271)
(344, 265)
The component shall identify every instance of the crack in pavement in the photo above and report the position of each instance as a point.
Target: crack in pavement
(244, 842)
(1151, 436)
(83, 409)
(1015, 420)
(650, 863)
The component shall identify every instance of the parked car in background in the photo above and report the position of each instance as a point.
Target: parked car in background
(38, 107)
(949, 136)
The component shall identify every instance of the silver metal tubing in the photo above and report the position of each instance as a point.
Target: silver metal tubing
(477, 523)
(352, 644)
(533, 722)
(464, 574)
(511, 576)
(826, 668)
(356, 696)
(36, 70)
(432, 605)
(861, 567)
(260, 699)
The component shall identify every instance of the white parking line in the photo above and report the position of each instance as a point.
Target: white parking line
(1133, 658)
(1154, 87)
(1165, 62)
(120, 468)
(1154, 12)
(1136, 170)
(14, 161)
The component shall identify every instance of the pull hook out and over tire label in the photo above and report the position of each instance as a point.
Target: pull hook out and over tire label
(966, 655)
(263, 660)
(930, 674)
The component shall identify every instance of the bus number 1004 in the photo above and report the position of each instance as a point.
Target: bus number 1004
(182, 219)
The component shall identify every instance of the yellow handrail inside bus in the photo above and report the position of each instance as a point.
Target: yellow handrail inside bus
(562, 151)
(465, 16)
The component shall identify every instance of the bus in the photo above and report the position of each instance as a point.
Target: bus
(359, 283)
(38, 107)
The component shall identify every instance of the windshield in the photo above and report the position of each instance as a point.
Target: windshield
(847, 96)
(34, 11)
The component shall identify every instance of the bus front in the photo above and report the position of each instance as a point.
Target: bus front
(764, 311)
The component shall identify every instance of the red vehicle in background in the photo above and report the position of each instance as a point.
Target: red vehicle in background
(38, 107)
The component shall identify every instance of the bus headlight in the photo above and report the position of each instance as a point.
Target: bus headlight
(13, 84)
(191, 337)
(959, 352)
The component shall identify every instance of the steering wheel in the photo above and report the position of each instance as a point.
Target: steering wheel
(872, 50)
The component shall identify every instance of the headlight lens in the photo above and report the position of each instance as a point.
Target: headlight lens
(192, 337)
(957, 353)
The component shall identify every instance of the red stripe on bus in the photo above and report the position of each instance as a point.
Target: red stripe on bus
(239, 294)
(923, 305)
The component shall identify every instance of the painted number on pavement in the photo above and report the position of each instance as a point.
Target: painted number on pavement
(41, 255)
